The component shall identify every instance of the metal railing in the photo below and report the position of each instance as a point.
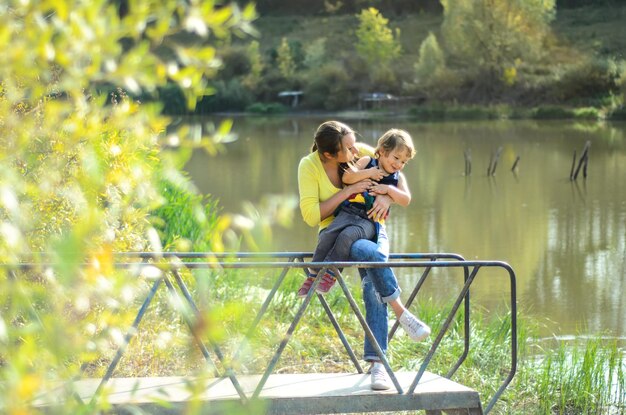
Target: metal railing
(173, 262)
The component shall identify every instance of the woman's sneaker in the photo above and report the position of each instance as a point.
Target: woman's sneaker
(380, 380)
(326, 284)
(414, 327)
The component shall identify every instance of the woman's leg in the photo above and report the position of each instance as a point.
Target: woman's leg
(376, 318)
(384, 279)
(386, 289)
(376, 288)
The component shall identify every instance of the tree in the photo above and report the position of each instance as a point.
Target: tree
(253, 78)
(431, 60)
(286, 63)
(492, 36)
(376, 43)
(81, 162)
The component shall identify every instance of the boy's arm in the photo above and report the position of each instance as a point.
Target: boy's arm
(358, 172)
(400, 194)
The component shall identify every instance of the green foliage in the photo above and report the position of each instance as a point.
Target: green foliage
(229, 94)
(575, 378)
(80, 170)
(285, 60)
(328, 88)
(270, 108)
(376, 43)
(448, 113)
(618, 114)
(172, 99)
(186, 221)
(589, 81)
(493, 36)
(315, 54)
(431, 61)
(253, 77)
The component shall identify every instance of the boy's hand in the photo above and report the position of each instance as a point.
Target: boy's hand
(375, 173)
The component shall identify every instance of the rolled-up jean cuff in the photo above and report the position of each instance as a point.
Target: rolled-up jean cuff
(371, 358)
(391, 297)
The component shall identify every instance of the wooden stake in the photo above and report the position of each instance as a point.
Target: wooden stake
(515, 163)
(494, 163)
(571, 172)
(468, 161)
(583, 157)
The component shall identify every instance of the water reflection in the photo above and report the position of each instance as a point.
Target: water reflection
(566, 240)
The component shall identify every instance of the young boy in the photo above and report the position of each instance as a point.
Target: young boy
(394, 149)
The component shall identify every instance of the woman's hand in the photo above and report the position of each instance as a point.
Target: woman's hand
(379, 189)
(380, 208)
(359, 187)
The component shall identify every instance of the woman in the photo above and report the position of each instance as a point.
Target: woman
(321, 192)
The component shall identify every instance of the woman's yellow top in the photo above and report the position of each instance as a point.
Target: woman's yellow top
(315, 187)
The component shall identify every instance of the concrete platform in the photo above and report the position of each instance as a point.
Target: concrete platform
(323, 393)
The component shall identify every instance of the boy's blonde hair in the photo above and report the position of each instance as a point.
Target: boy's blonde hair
(395, 139)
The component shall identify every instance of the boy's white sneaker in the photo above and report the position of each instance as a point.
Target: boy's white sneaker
(380, 380)
(414, 327)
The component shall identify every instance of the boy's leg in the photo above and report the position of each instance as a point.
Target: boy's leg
(327, 237)
(325, 242)
(359, 229)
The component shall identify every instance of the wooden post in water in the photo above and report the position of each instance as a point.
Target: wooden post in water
(491, 170)
(583, 160)
(571, 172)
(515, 163)
(468, 161)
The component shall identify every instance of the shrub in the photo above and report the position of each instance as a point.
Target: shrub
(186, 220)
(172, 99)
(551, 112)
(328, 88)
(229, 95)
(266, 108)
(588, 82)
(618, 114)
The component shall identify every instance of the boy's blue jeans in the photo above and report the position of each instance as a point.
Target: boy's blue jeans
(334, 242)
(380, 286)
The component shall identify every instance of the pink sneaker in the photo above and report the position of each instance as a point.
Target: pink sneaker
(327, 283)
(305, 287)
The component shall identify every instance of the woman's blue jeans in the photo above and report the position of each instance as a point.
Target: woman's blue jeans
(380, 286)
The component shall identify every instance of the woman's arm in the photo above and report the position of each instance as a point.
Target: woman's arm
(313, 210)
(328, 207)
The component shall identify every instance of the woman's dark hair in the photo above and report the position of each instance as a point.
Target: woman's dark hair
(328, 137)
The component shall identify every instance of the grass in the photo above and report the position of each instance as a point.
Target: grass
(561, 378)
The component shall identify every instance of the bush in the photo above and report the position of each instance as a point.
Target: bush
(266, 108)
(588, 82)
(587, 113)
(230, 95)
(172, 99)
(186, 218)
(618, 114)
(329, 88)
(551, 112)
(440, 113)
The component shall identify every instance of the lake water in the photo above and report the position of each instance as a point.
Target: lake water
(566, 240)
